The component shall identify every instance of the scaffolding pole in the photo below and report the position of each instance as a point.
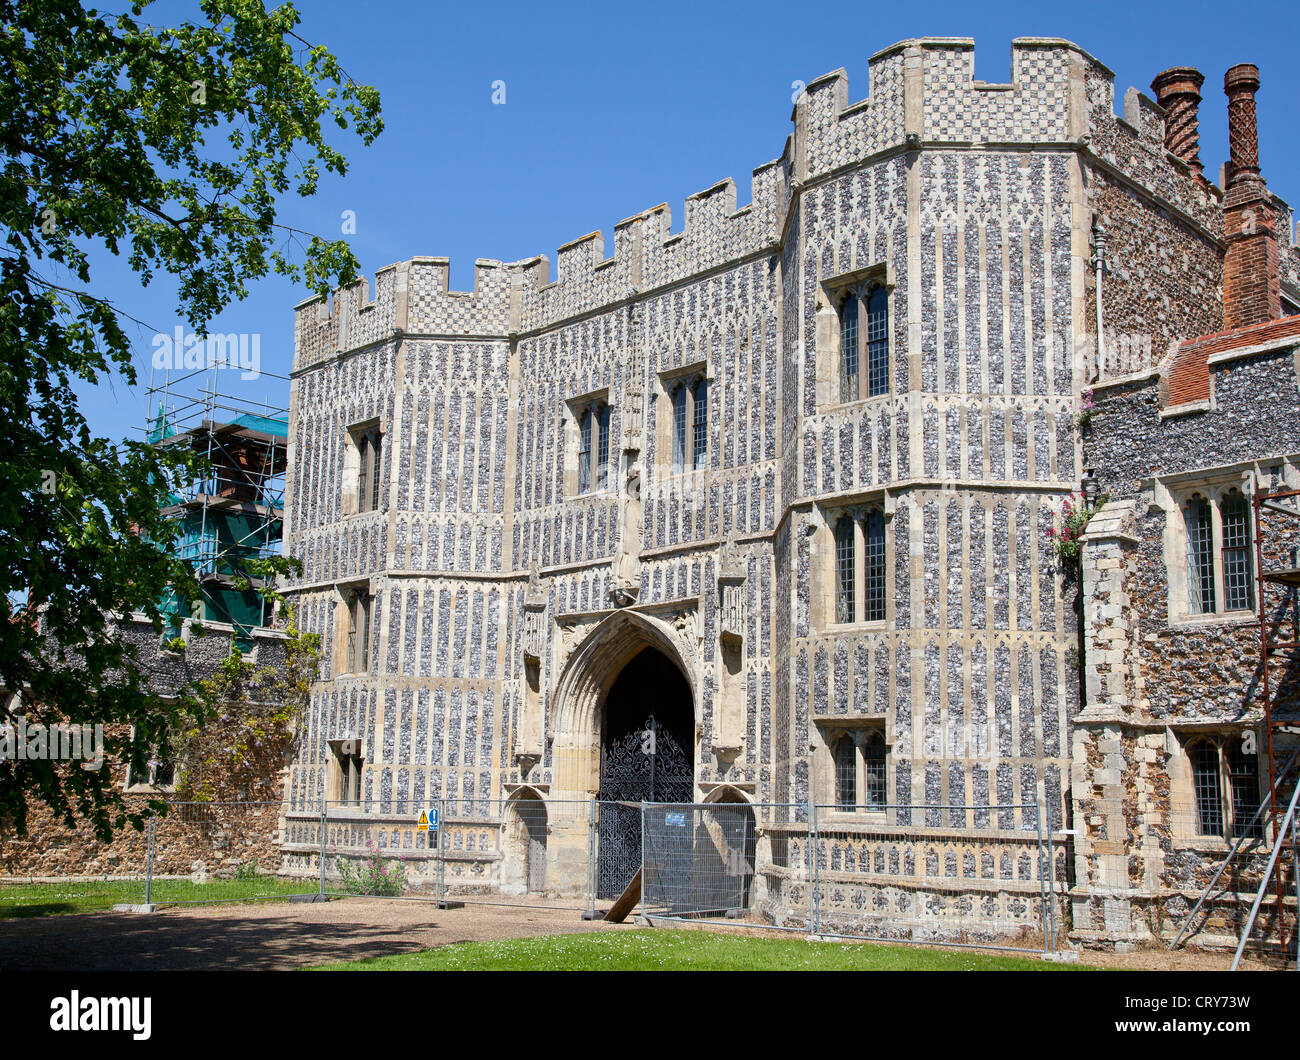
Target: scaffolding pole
(1272, 503)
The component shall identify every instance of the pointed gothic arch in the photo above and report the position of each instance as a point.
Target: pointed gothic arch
(577, 709)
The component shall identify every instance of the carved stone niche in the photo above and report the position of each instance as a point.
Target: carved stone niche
(534, 638)
(732, 610)
(732, 613)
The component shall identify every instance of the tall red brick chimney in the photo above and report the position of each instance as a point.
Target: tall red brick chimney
(1252, 285)
(1178, 91)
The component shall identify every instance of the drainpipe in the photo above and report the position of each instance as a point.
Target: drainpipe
(1099, 265)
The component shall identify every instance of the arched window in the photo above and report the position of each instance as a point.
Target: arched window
(846, 773)
(1225, 778)
(1200, 556)
(1207, 782)
(873, 754)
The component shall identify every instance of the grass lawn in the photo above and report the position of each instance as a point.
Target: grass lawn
(665, 950)
(96, 896)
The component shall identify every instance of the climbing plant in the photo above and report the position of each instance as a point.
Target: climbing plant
(1074, 520)
(243, 723)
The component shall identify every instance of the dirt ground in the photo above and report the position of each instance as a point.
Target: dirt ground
(263, 936)
(279, 935)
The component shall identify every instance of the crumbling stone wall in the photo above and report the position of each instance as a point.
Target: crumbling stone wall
(241, 822)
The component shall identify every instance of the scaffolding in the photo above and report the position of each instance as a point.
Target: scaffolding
(1279, 641)
(234, 512)
(1276, 587)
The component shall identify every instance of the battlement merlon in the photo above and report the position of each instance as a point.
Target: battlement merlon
(410, 297)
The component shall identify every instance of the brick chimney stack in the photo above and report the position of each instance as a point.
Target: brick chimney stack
(1252, 286)
(1178, 91)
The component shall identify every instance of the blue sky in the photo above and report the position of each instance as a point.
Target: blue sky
(611, 109)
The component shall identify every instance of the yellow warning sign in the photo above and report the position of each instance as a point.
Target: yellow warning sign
(423, 826)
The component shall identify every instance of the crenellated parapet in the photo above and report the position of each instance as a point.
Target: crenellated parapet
(925, 92)
(922, 94)
(1133, 143)
(410, 297)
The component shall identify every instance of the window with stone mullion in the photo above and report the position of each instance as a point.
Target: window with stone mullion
(593, 447)
(864, 343)
(860, 567)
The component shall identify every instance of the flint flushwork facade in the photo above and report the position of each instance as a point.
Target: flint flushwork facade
(540, 519)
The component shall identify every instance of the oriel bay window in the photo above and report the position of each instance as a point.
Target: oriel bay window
(859, 566)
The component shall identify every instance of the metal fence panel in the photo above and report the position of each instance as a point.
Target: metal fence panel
(518, 851)
(955, 875)
(699, 860)
(205, 852)
(194, 853)
(879, 873)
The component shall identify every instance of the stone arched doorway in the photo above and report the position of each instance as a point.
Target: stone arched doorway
(524, 865)
(647, 754)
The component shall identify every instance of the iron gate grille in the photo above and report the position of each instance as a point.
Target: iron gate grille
(646, 763)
